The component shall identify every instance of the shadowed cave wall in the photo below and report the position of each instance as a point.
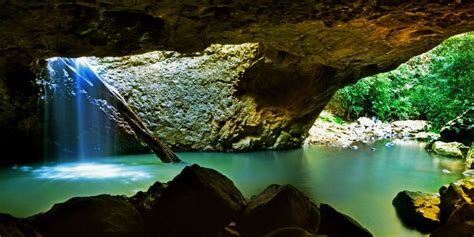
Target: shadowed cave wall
(307, 50)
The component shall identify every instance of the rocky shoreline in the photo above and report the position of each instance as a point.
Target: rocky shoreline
(325, 131)
(197, 202)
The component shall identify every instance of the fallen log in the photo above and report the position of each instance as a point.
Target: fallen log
(90, 82)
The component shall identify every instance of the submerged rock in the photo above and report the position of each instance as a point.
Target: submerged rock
(277, 207)
(102, 215)
(14, 227)
(418, 210)
(334, 223)
(197, 202)
(452, 149)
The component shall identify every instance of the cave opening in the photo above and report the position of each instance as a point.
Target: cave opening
(89, 89)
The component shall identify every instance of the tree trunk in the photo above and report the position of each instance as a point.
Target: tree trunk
(88, 80)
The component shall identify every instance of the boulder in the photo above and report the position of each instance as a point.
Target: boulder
(144, 201)
(460, 129)
(465, 229)
(470, 157)
(102, 215)
(455, 195)
(334, 224)
(410, 126)
(451, 149)
(14, 227)
(197, 202)
(290, 232)
(277, 207)
(460, 223)
(418, 210)
(426, 136)
(366, 122)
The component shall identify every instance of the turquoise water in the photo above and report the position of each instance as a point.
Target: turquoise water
(360, 183)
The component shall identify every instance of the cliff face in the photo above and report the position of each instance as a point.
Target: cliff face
(307, 49)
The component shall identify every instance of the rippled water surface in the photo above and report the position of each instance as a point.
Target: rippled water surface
(360, 183)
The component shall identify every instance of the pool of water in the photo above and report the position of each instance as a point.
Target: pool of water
(360, 183)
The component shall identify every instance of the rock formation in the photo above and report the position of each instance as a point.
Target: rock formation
(451, 213)
(309, 49)
(197, 202)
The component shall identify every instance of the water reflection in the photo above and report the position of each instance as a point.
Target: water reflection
(360, 183)
(89, 171)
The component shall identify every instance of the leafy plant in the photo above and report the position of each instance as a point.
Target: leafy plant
(435, 86)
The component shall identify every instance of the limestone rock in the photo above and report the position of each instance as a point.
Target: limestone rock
(410, 126)
(308, 51)
(426, 136)
(460, 129)
(367, 122)
(197, 202)
(451, 149)
(334, 223)
(277, 207)
(418, 210)
(13, 227)
(102, 215)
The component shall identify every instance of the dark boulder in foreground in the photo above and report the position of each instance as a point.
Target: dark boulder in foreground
(335, 224)
(102, 215)
(290, 232)
(276, 207)
(197, 202)
(14, 227)
(418, 210)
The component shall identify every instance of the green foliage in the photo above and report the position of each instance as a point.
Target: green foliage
(436, 86)
(329, 117)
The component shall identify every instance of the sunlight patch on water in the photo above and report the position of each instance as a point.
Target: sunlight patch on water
(89, 171)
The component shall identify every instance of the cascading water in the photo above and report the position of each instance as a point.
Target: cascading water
(77, 123)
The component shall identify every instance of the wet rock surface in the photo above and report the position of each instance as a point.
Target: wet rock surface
(418, 210)
(456, 209)
(197, 202)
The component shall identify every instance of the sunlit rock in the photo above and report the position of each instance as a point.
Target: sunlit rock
(452, 149)
(418, 210)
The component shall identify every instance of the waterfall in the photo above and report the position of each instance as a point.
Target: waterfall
(77, 123)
